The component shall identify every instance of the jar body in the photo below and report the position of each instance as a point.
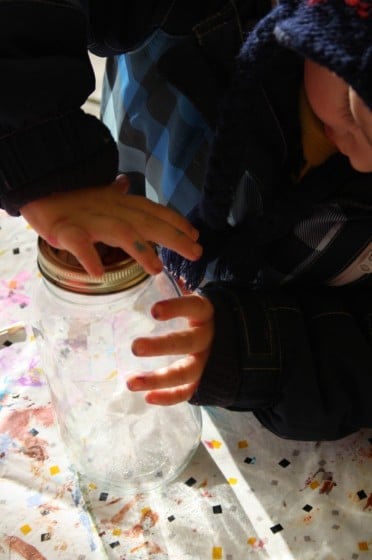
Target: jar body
(114, 437)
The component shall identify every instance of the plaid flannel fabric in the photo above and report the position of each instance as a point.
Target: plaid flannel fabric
(165, 142)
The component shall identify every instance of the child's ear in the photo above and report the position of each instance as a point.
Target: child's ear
(362, 114)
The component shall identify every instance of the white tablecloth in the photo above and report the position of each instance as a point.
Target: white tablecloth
(245, 494)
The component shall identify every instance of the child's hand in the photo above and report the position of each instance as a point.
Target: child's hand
(179, 380)
(75, 220)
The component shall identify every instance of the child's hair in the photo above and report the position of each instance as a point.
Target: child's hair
(334, 33)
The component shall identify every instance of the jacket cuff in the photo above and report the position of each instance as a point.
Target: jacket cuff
(244, 366)
(73, 151)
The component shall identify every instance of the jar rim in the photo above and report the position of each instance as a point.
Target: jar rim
(62, 269)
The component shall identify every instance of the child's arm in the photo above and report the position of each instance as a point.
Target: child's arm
(300, 360)
(57, 164)
(47, 143)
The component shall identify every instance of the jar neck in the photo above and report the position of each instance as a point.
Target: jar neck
(62, 269)
(91, 298)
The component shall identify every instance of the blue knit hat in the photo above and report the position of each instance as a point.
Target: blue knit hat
(336, 34)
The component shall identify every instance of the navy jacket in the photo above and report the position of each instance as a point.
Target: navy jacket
(293, 341)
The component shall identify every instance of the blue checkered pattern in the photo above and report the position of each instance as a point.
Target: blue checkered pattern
(160, 134)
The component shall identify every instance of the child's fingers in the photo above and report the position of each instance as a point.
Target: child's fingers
(196, 308)
(163, 213)
(188, 341)
(170, 385)
(75, 240)
(116, 233)
(80, 241)
(113, 232)
(181, 372)
(153, 228)
(169, 397)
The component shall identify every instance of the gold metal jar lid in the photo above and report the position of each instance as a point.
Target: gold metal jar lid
(62, 269)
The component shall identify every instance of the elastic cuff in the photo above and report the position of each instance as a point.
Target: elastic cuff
(70, 152)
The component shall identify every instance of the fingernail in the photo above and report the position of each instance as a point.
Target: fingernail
(135, 349)
(136, 383)
(122, 178)
(197, 250)
(155, 312)
(195, 234)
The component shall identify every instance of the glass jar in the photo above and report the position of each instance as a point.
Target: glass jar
(85, 327)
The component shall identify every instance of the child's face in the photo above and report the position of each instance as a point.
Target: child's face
(347, 120)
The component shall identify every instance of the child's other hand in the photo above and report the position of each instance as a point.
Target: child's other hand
(178, 381)
(76, 220)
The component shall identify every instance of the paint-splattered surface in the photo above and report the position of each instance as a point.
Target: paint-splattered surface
(246, 494)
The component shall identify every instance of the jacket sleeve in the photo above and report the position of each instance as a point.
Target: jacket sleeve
(47, 143)
(301, 360)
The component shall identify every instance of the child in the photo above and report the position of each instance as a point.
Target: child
(287, 210)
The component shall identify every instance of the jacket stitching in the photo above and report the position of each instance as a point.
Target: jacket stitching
(248, 344)
(224, 13)
(285, 308)
(332, 314)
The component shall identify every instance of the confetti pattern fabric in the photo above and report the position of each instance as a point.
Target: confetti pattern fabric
(246, 493)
